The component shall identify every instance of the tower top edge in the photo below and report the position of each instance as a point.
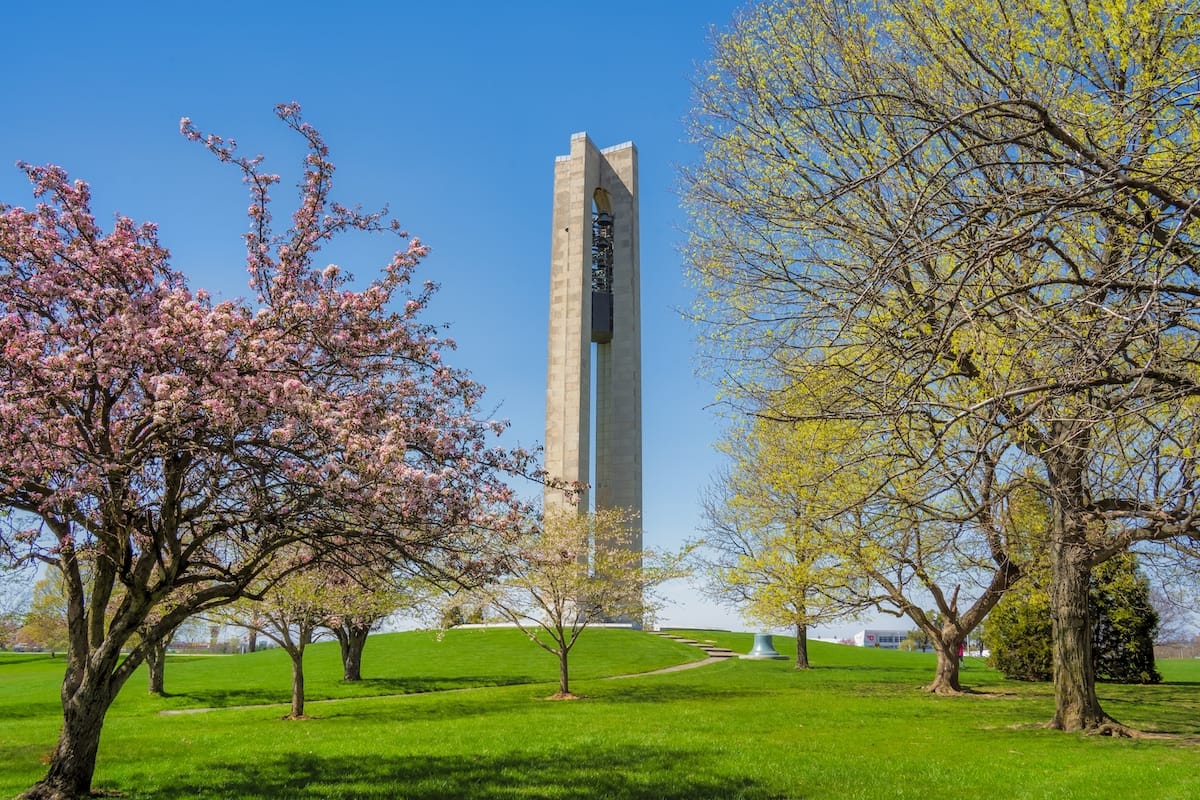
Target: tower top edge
(629, 145)
(582, 135)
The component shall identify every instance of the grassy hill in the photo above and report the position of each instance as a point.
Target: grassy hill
(854, 726)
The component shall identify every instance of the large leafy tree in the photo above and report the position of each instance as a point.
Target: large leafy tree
(174, 445)
(970, 215)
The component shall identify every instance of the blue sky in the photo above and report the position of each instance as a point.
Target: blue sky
(450, 112)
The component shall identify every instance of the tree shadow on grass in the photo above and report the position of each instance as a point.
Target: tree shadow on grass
(1160, 708)
(443, 709)
(418, 684)
(578, 773)
(369, 687)
(229, 698)
(660, 692)
(25, 659)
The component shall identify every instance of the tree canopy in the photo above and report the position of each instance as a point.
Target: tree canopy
(975, 226)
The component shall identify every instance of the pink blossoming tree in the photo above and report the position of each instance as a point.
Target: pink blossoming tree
(176, 445)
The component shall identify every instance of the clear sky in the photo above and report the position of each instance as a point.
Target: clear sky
(450, 112)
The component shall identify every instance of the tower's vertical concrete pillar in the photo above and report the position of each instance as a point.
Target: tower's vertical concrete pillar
(596, 194)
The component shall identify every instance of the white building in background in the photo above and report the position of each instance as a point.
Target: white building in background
(880, 638)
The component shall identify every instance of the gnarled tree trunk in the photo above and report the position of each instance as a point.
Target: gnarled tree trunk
(74, 758)
(351, 639)
(88, 691)
(945, 679)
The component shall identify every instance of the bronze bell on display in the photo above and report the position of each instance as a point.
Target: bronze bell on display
(764, 648)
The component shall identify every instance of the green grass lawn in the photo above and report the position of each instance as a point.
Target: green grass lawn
(855, 726)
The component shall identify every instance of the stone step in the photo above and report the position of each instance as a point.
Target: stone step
(711, 650)
(718, 652)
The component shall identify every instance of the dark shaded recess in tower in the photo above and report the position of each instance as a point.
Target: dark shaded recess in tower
(602, 277)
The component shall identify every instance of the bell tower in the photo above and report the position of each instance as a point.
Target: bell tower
(595, 341)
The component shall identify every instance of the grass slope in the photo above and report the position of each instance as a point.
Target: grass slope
(853, 727)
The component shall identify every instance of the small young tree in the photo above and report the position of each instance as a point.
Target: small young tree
(289, 614)
(570, 570)
(762, 557)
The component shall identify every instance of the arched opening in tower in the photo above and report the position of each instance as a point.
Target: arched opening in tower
(602, 268)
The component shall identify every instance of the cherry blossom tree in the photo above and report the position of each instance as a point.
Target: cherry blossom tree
(175, 445)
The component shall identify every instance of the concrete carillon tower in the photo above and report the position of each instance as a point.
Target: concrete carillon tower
(595, 327)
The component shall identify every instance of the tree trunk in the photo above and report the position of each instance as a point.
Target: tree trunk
(95, 674)
(801, 647)
(562, 671)
(352, 639)
(74, 759)
(297, 683)
(251, 640)
(1076, 706)
(945, 679)
(156, 656)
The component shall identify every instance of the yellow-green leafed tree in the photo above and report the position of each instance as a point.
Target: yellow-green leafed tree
(822, 519)
(290, 614)
(290, 607)
(45, 621)
(767, 548)
(976, 224)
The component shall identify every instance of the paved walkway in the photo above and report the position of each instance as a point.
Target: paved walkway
(704, 662)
